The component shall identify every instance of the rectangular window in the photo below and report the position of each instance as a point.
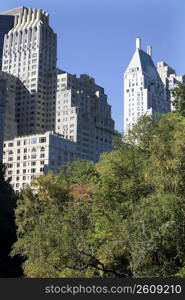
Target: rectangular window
(34, 141)
(10, 144)
(42, 140)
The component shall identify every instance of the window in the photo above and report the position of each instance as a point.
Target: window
(42, 155)
(42, 140)
(10, 144)
(33, 150)
(33, 163)
(33, 170)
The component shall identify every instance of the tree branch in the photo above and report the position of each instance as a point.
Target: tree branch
(94, 263)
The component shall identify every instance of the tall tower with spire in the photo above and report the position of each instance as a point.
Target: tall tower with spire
(144, 91)
(29, 53)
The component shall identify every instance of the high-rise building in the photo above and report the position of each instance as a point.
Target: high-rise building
(83, 115)
(2, 114)
(10, 124)
(170, 79)
(29, 54)
(144, 91)
(6, 23)
(30, 156)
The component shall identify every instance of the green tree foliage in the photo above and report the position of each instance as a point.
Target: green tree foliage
(78, 172)
(7, 205)
(122, 217)
(178, 102)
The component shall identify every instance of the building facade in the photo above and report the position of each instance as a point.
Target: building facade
(144, 91)
(6, 23)
(2, 114)
(83, 115)
(170, 79)
(29, 54)
(10, 124)
(30, 156)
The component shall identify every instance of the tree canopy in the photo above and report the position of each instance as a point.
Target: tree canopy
(121, 217)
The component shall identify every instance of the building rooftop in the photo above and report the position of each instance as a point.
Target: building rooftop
(145, 60)
(14, 11)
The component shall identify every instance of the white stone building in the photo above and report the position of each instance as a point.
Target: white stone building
(83, 115)
(144, 91)
(29, 156)
(170, 79)
(29, 53)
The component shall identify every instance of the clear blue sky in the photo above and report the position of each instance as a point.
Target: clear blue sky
(97, 37)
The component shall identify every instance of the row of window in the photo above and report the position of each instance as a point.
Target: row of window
(27, 142)
(32, 170)
(25, 150)
(25, 157)
(24, 164)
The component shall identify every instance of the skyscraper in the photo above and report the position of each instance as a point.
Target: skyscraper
(144, 91)
(83, 115)
(30, 54)
(6, 23)
(8, 126)
(2, 114)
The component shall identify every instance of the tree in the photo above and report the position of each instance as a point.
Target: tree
(178, 101)
(8, 267)
(122, 217)
(80, 171)
(7, 205)
(157, 236)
